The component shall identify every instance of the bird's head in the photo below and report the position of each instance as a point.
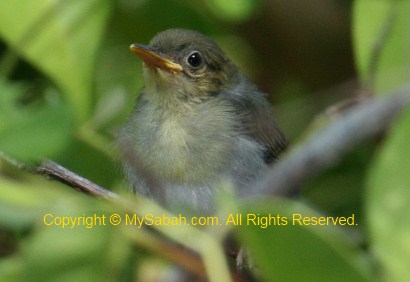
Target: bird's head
(185, 63)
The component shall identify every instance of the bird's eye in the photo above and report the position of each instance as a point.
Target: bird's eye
(194, 59)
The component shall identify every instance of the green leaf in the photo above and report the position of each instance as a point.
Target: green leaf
(19, 205)
(42, 136)
(287, 251)
(382, 42)
(388, 202)
(60, 38)
(32, 132)
(90, 250)
(10, 269)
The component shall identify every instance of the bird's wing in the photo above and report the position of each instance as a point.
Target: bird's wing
(259, 123)
(257, 120)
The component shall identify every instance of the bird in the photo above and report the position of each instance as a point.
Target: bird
(197, 123)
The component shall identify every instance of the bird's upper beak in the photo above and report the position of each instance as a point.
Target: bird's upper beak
(153, 59)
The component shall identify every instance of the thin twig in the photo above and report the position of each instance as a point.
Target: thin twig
(57, 172)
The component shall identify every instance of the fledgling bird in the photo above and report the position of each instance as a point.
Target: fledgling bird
(197, 122)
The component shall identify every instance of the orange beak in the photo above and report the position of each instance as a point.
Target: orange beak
(152, 59)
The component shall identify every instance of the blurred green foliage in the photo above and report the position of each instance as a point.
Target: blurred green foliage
(67, 82)
(387, 202)
(59, 38)
(382, 42)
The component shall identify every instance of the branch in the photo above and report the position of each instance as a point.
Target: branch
(54, 171)
(57, 172)
(325, 149)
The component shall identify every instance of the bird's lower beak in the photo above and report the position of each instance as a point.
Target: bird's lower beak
(152, 59)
